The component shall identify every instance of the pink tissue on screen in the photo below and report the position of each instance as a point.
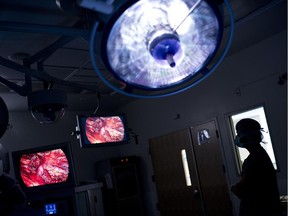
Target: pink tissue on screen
(44, 168)
(104, 129)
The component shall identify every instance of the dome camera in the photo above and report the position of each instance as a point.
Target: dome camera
(47, 106)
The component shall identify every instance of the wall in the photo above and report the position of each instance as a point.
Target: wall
(254, 74)
(253, 71)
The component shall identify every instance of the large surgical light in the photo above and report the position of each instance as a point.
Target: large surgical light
(161, 47)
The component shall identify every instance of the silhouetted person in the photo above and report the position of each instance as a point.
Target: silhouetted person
(13, 199)
(257, 189)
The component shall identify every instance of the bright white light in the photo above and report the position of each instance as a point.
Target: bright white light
(128, 50)
(186, 167)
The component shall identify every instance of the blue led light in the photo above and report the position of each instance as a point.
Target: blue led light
(50, 209)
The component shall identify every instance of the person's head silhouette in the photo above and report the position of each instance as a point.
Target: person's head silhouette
(248, 133)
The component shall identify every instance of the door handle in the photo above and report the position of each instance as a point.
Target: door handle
(196, 192)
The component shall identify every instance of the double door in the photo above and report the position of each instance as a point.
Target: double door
(189, 173)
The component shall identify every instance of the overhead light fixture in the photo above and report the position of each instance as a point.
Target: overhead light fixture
(159, 48)
(47, 106)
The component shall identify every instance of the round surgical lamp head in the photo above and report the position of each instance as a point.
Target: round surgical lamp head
(47, 106)
(161, 45)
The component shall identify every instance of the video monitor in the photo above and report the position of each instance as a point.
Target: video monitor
(102, 130)
(44, 167)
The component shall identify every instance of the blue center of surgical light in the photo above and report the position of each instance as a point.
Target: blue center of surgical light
(164, 47)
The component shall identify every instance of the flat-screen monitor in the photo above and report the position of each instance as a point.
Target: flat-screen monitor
(102, 130)
(45, 167)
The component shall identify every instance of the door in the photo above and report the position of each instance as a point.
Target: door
(211, 170)
(207, 195)
(175, 197)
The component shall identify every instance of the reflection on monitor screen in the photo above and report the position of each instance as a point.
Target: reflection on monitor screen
(42, 168)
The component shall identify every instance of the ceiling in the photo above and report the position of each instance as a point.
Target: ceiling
(48, 41)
